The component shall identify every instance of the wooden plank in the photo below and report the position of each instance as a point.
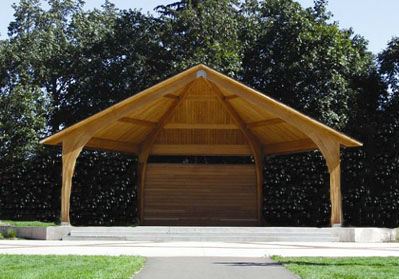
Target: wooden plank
(195, 136)
(267, 122)
(289, 147)
(197, 149)
(200, 194)
(201, 126)
(112, 145)
(138, 121)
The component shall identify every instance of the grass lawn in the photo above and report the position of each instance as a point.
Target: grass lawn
(27, 223)
(66, 267)
(342, 268)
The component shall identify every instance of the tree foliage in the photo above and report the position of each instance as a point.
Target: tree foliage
(298, 57)
(62, 63)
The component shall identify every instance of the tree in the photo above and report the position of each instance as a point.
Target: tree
(298, 57)
(194, 32)
(389, 64)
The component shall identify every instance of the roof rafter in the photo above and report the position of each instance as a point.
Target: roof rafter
(111, 145)
(289, 147)
(267, 122)
(137, 121)
(171, 96)
(229, 97)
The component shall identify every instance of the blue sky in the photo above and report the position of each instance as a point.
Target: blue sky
(376, 20)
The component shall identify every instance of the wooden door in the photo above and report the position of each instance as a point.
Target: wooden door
(200, 195)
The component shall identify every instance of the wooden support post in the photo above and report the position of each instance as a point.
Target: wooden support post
(334, 169)
(141, 169)
(260, 160)
(331, 152)
(70, 152)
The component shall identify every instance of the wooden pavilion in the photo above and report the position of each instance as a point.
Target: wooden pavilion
(201, 112)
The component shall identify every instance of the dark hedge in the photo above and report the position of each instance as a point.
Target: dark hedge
(103, 190)
(296, 190)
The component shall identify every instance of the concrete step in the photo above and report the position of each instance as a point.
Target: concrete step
(189, 230)
(223, 234)
(207, 239)
(203, 235)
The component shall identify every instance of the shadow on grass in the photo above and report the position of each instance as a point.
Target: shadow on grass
(337, 263)
(248, 264)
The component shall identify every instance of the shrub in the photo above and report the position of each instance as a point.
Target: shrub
(10, 233)
(1, 236)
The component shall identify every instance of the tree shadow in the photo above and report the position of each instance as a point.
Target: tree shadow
(365, 263)
(248, 264)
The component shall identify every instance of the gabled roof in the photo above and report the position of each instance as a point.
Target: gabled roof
(201, 111)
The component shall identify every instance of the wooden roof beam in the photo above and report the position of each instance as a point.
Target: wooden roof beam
(171, 96)
(267, 122)
(289, 147)
(229, 97)
(112, 145)
(140, 122)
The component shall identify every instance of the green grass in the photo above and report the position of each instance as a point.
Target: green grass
(66, 267)
(27, 223)
(342, 268)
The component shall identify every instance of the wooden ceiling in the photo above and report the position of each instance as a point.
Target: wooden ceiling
(201, 112)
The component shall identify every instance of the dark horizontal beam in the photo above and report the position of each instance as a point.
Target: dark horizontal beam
(200, 126)
(201, 149)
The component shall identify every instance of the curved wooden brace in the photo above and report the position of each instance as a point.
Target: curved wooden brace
(71, 148)
(253, 143)
(149, 141)
(331, 153)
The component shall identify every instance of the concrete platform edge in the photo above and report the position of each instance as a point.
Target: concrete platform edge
(359, 235)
